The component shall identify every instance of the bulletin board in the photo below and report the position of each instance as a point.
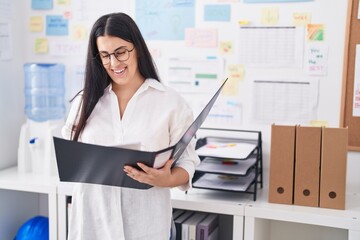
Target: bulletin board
(220, 41)
(352, 39)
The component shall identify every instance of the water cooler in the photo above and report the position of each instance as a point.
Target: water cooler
(45, 110)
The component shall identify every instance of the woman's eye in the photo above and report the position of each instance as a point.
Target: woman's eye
(119, 53)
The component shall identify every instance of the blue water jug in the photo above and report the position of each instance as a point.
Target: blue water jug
(44, 91)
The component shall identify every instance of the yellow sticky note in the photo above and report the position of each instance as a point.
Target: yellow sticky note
(319, 123)
(226, 47)
(236, 72)
(301, 19)
(41, 45)
(315, 32)
(63, 2)
(244, 22)
(231, 88)
(269, 16)
(36, 24)
(79, 32)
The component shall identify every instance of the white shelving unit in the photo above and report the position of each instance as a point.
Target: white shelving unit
(21, 198)
(263, 219)
(240, 216)
(230, 207)
(64, 190)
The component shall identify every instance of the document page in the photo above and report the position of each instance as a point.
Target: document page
(227, 150)
(226, 182)
(226, 166)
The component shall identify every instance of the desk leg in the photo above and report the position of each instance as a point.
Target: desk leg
(354, 235)
(52, 201)
(62, 209)
(238, 227)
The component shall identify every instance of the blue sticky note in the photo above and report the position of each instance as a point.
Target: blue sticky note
(217, 12)
(42, 4)
(164, 19)
(57, 25)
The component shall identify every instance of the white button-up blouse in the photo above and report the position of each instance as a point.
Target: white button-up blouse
(157, 117)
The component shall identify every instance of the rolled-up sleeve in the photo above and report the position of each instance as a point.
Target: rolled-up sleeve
(189, 159)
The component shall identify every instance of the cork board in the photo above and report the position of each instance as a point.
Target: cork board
(352, 39)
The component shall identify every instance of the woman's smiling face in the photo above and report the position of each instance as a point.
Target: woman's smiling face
(119, 59)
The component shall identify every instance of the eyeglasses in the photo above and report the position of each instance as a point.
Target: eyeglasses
(121, 54)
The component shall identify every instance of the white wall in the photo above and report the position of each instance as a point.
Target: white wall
(11, 90)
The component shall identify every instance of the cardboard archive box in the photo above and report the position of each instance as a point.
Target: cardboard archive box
(307, 166)
(282, 164)
(333, 167)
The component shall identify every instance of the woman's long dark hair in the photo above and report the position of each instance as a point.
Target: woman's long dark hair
(96, 78)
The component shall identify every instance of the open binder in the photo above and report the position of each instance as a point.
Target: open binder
(89, 163)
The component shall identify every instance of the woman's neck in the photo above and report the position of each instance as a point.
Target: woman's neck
(128, 90)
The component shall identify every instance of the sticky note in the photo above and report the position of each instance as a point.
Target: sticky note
(41, 45)
(226, 47)
(36, 24)
(63, 2)
(236, 72)
(244, 22)
(301, 19)
(57, 25)
(319, 123)
(269, 16)
(231, 88)
(79, 32)
(315, 32)
(41, 4)
(218, 12)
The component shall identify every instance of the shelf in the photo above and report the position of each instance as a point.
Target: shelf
(343, 219)
(226, 204)
(209, 201)
(11, 179)
(232, 167)
(236, 205)
(34, 184)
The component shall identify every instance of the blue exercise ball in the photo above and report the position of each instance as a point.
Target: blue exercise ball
(36, 228)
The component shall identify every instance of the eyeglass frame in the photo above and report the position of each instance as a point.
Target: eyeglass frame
(108, 56)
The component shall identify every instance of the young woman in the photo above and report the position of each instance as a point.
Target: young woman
(123, 101)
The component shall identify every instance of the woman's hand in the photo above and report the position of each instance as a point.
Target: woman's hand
(162, 177)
